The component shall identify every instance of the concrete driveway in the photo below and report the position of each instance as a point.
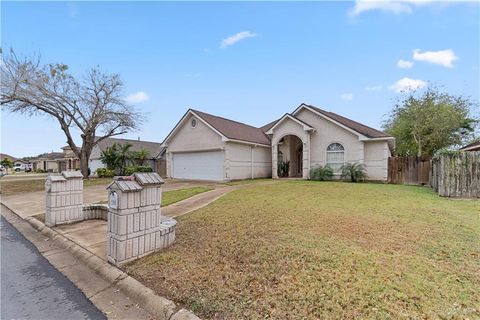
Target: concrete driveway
(32, 203)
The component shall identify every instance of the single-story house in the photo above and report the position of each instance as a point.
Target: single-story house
(154, 149)
(474, 146)
(207, 147)
(56, 161)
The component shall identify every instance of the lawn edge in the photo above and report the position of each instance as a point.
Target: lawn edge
(162, 308)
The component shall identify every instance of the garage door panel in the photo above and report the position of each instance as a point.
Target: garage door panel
(198, 165)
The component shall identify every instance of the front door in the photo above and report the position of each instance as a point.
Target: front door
(300, 160)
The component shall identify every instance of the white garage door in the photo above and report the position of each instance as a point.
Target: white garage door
(198, 165)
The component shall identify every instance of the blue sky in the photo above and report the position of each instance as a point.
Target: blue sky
(251, 62)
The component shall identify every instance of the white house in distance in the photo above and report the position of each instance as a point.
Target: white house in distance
(207, 147)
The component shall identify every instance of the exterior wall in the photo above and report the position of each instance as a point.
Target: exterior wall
(188, 138)
(376, 160)
(95, 162)
(52, 166)
(374, 154)
(240, 165)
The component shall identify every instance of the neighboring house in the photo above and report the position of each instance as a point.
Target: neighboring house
(206, 147)
(474, 146)
(56, 161)
(154, 149)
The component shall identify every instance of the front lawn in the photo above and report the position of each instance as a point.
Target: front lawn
(31, 185)
(170, 197)
(300, 249)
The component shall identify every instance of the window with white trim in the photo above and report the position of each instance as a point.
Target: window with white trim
(335, 157)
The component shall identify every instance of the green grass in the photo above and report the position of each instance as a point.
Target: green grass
(310, 250)
(247, 181)
(170, 197)
(20, 186)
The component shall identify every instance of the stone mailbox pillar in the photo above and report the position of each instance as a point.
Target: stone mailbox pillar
(135, 225)
(64, 198)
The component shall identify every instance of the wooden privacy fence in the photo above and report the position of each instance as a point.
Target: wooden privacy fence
(456, 175)
(409, 170)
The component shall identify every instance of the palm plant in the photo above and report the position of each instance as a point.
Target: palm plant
(353, 171)
(141, 156)
(124, 155)
(321, 173)
(109, 157)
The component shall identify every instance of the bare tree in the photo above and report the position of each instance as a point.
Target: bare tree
(93, 104)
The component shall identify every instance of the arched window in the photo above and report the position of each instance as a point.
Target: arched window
(335, 156)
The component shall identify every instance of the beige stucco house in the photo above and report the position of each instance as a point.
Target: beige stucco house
(207, 147)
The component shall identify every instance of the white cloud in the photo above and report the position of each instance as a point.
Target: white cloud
(404, 64)
(374, 88)
(407, 84)
(396, 7)
(443, 57)
(235, 38)
(347, 96)
(137, 97)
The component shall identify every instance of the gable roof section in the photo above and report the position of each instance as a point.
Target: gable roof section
(235, 130)
(364, 130)
(305, 125)
(228, 129)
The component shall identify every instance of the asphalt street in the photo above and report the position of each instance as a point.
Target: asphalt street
(31, 288)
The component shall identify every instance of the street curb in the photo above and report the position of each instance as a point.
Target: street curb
(160, 307)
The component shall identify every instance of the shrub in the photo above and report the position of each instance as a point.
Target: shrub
(283, 168)
(40, 171)
(105, 173)
(321, 173)
(132, 169)
(354, 171)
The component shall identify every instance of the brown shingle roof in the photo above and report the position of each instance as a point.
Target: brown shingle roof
(233, 129)
(472, 146)
(50, 156)
(153, 148)
(355, 126)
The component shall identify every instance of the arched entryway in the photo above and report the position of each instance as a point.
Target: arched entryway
(290, 157)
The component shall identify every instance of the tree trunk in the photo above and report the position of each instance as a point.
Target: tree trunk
(419, 151)
(85, 158)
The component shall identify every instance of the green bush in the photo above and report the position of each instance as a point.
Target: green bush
(321, 173)
(354, 171)
(40, 171)
(283, 168)
(132, 169)
(105, 173)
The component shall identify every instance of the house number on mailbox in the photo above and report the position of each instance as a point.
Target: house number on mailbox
(113, 201)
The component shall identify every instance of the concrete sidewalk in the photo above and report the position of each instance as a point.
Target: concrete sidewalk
(32, 203)
(107, 297)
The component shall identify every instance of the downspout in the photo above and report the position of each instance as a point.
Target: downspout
(251, 160)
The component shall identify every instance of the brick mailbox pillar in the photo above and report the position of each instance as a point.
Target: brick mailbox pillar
(135, 225)
(64, 198)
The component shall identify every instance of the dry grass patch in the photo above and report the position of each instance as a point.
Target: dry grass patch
(309, 250)
(31, 185)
